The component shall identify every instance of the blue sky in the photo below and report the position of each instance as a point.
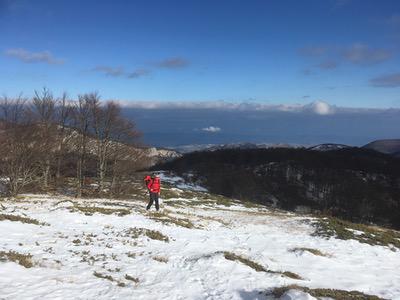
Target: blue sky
(343, 52)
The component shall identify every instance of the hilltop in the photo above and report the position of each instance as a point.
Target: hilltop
(385, 146)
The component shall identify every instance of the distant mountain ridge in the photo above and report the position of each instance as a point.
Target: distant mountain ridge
(214, 147)
(389, 146)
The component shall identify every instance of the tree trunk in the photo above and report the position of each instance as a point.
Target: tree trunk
(79, 177)
(46, 174)
(114, 177)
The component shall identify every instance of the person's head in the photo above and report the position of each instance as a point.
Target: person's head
(154, 175)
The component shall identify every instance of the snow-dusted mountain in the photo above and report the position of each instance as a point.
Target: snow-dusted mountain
(213, 147)
(328, 147)
(160, 154)
(200, 246)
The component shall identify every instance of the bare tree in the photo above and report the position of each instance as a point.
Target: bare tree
(64, 115)
(44, 114)
(103, 131)
(106, 125)
(123, 156)
(82, 121)
(18, 151)
(37, 136)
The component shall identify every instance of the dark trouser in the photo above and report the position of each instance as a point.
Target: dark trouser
(153, 198)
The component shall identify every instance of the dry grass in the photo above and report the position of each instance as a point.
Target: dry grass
(333, 227)
(24, 260)
(131, 254)
(311, 250)
(152, 234)
(156, 235)
(131, 278)
(90, 210)
(257, 266)
(160, 259)
(168, 219)
(215, 219)
(328, 293)
(109, 277)
(246, 261)
(26, 220)
(289, 274)
(103, 276)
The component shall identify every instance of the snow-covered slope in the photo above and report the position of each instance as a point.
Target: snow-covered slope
(198, 247)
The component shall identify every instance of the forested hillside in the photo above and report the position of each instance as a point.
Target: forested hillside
(355, 184)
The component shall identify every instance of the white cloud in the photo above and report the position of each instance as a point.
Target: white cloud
(317, 107)
(211, 129)
(321, 108)
(33, 57)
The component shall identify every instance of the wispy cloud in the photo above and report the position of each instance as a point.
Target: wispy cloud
(172, 63)
(328, 58)
(328, 65)
(390, 80)
(120, 72)
(313, 51)
(212, 129)
(33, 57)
(363, 54)
(394, 19)
(307, 72)
(109, 71)
(168, 63)
(138, 73)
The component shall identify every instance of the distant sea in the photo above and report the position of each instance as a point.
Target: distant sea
(177, 127)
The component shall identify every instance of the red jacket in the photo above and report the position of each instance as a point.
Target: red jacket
(153, 184)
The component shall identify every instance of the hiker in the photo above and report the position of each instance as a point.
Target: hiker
(153, 185)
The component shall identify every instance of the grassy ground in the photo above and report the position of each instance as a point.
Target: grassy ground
(325, 227)
(310, 250)
(257, 266)
(152, 234)
(160, 259)
(24, 260)
(326, 293)
(166, 218)
(333, 227)
(90, 210)
(131, 278)
(15, 218)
